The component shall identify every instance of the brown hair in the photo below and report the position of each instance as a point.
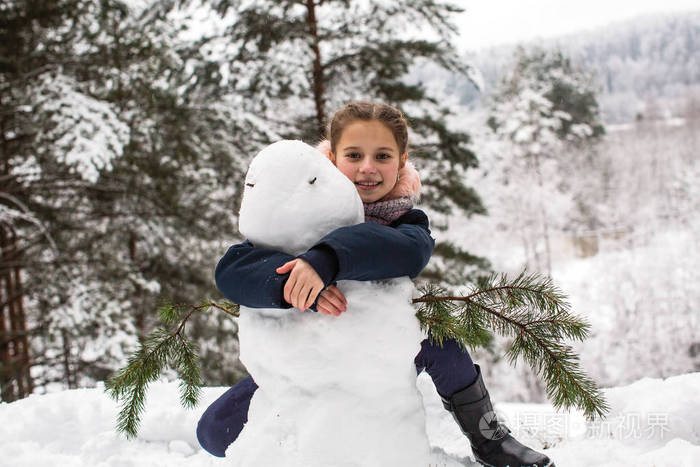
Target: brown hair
(390, 116)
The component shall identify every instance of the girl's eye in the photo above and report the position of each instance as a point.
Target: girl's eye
(353, 155)
(383, 156)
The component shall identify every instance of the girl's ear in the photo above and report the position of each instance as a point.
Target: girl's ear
(325, 148)
(402, 162)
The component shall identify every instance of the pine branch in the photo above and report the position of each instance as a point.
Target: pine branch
(535, 313)
(160, 348)
(529, 308)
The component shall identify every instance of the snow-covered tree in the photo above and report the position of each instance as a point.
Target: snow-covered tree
(294, 63)
(544, 109)
(118, 174)
(53, 139)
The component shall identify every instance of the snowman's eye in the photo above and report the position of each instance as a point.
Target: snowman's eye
(250, 184)
(311, 182)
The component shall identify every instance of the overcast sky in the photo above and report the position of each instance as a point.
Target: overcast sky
(493, 22)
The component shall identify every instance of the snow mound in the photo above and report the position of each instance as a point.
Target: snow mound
(75, 428)
(653, 422)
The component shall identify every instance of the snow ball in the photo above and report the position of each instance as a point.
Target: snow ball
(294, 196)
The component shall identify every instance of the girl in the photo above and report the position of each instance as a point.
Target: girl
(367, 142)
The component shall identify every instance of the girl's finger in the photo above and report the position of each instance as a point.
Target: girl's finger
(297, 295)
(314, 293)
(295, 288)
(311, 298)
(302, 289)
(323, 309)
(329, 305)
(337, 293)
(286, 267)
(334, 300)
(288, 288)
(324, 306)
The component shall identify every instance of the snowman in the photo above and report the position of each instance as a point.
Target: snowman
(333, 390)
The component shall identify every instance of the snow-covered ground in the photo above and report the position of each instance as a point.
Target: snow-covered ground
(653, 422)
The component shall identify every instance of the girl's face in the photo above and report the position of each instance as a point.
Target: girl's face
(368, 155)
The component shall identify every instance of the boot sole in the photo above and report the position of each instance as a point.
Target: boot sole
(485, 464)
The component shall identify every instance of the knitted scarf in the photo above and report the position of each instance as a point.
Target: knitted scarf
(387, 211)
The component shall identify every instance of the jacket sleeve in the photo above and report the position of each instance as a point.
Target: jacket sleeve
(371, 251)
(247, 275)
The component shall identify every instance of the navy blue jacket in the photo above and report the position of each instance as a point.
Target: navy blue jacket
(369, 251)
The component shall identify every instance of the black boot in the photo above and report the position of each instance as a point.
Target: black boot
(491, 442)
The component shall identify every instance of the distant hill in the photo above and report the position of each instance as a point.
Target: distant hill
(648, 67)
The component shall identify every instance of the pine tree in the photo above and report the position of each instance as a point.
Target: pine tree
(546, 109)
(565, 85)
(119, 167)
(165, 202)
(42, 110)
(293, 63)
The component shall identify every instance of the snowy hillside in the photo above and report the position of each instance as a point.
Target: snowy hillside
(646, 66)
(653, 422)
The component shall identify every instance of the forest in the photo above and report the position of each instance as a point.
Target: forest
(126, 128)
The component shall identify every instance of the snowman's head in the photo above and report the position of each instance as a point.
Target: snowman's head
(294, 196)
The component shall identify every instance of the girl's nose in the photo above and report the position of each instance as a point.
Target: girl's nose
(367, 166)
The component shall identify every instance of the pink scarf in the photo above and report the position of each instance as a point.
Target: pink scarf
(387, 211)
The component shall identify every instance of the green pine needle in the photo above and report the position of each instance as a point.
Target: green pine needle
(529, 308)
(130, 383)
(187, 365)
(169, 313)
(164, 346)
(532, 310)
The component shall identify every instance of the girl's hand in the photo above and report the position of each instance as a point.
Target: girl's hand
(331, 301)
(303, 284)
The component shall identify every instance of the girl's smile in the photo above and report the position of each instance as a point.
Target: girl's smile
(368, 155)
(367, 185)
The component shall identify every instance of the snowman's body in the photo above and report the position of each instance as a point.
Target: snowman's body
(333, 390)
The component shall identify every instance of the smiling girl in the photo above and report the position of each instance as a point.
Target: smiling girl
(368, 143)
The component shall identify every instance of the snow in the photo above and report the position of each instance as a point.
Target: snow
(87, 131)
(77, 428)
(653, 422)
(311, 409)
(317, 198)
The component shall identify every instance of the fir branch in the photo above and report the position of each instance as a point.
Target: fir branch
(158, 349)
(130, 383)
(536, 314)
(529, 308)
(187, 364)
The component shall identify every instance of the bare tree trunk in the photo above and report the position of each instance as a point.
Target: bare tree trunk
(5, 378)
(14, 345)
(543, 216)
(317, 84)
(70, 378)
(140, 317)
(524, 237)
